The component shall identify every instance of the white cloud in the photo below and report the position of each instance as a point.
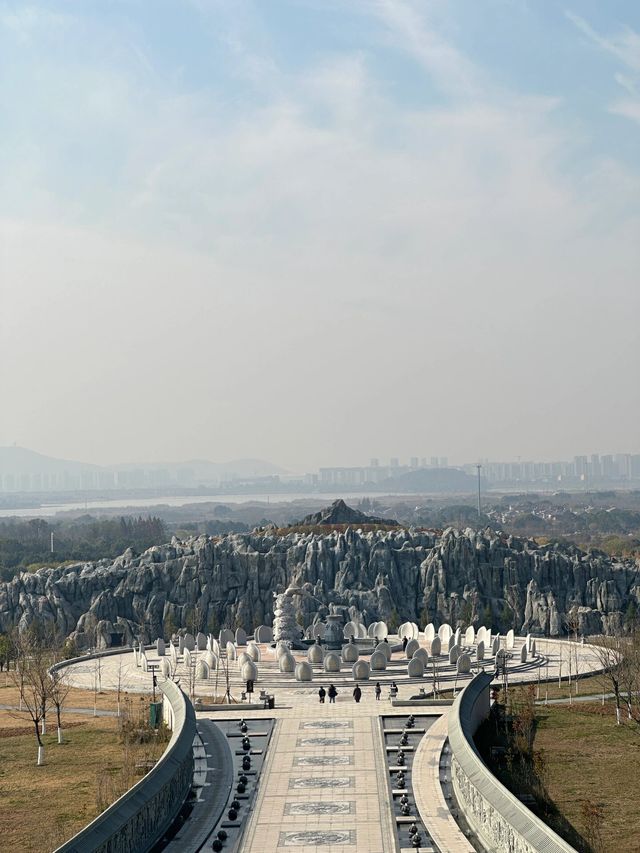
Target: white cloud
(624, 45)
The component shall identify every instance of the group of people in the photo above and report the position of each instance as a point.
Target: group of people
(357, 692)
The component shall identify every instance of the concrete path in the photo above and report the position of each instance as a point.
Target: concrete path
(213, 777)
(87, 712)
(429, 795)
(324, 784)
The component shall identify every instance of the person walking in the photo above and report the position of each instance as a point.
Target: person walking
(322, 693)
(378, 690)
(405, 640)
(357, 693)
(332, 694)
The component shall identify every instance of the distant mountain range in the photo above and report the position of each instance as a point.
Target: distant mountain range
(23, 469)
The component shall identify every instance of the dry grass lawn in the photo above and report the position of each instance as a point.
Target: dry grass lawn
(589, 758)
(43, 806)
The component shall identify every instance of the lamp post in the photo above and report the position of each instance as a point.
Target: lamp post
(153, 668)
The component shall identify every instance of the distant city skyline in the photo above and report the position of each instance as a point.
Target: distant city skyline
(30, 472)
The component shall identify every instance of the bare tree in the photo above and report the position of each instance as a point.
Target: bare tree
(629, 671)
(60, 688)
(609, 652)
(32, 679)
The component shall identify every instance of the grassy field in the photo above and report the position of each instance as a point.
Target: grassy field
(43, 806)
(581, 772)
(591, 759)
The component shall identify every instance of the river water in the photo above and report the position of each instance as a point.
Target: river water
(49, 510)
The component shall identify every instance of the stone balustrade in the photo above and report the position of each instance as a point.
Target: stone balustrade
(141, 816)
(498, 819)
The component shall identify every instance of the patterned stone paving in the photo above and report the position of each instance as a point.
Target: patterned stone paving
(324, 741)
(321, 782)
(321, 760)
(319, 808)
(317, 837)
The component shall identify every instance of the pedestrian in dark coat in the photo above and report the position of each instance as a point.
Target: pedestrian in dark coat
(378, 690)
(357, 693)
(322, 693)
(332, 694)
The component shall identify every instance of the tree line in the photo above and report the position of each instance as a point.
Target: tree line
(27, 544)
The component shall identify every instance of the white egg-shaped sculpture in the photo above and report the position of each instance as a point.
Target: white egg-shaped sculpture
(415, 668)
(242, 658)
(226, 636)
(350, 630)
(360, 670)
(445, 632)
(253, 651)
(304, 671)
(463, 664)
(412, 647)
(263, 634)
(381, 631)
(286, 662)
(422, 654)
(385, 648)
(350, 653)
(315, 653)
(332, 662)
(249, 671)
(378, 662)
(202, 670)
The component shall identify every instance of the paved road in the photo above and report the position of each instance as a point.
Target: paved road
(87, 712)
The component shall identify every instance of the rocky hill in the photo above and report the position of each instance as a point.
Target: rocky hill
(401, 574)
(340, 513)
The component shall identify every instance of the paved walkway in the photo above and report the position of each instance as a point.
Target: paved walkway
(86, 712)
(324, 783)
(213, 778)
(429, 795)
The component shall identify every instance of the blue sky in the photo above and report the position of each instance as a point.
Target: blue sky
(435, 194)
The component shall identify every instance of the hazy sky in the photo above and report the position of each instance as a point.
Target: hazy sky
(317, 231)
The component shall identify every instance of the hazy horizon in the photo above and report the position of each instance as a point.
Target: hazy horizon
(315, 232)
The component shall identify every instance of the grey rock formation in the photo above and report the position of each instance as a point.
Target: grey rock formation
(340, 513)
(419, 576)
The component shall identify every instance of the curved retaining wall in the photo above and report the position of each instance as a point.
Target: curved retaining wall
(499, 820)
(136, 821)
